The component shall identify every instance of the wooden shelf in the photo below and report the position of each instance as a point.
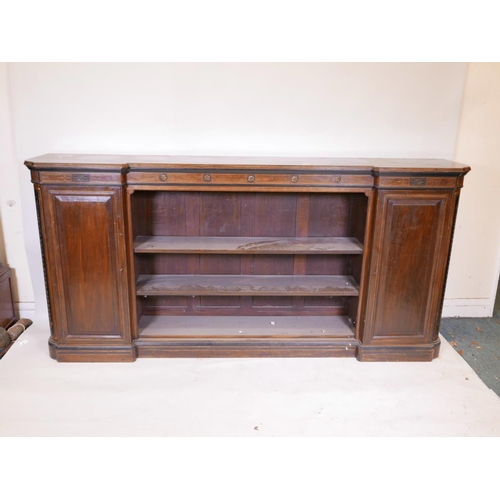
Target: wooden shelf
(267, 285)
(234, 245)
(151, 327)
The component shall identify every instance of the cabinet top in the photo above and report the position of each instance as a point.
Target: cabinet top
(114, 162)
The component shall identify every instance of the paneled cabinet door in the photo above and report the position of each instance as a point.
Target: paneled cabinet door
(411, 245)
(84, 245)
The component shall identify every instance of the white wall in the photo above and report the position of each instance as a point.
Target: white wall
(474, 266)
(12, 250)
(324, 109)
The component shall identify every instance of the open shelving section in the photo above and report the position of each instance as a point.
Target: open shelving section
(247, 265)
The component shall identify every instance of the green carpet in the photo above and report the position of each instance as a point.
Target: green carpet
(477, 340)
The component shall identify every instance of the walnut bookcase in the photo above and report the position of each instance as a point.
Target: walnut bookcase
(158, 256)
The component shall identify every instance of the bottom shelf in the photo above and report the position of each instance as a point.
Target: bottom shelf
(241, 327)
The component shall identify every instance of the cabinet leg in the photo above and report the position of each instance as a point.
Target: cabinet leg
(426, 352)
(107, 354)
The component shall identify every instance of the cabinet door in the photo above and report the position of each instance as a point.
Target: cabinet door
(411, 245)
(86, 265)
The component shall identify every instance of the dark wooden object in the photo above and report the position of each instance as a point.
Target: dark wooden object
(159, 256)
(7, 337)
(8, 314)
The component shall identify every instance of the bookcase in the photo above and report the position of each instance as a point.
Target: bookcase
(158, 256)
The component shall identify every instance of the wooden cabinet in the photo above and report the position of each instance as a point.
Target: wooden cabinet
(408, 264)
(202, 256)
(86, 269)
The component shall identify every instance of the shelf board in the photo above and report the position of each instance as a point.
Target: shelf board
(267, 285)
(235, 245)
(245, 327)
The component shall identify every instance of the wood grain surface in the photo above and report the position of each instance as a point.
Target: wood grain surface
(236, 245)
(97, 161)
(245, 327)
(219, 284)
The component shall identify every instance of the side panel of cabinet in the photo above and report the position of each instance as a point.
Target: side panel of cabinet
(411, 244)
(84, 245)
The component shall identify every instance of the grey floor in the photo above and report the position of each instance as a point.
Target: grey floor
(477, 340)
(257, 397)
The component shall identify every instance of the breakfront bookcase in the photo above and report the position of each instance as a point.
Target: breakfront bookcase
(172, 256)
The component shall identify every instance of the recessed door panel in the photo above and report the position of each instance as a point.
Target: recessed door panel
(89, 275)
(411, 245)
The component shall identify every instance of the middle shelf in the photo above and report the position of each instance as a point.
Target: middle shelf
(246, 285)
(240, 245)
